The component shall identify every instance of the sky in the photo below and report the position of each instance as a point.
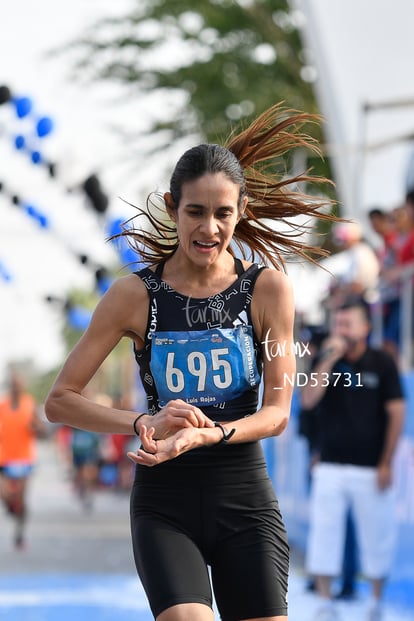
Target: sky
(41, 262)
(362, 50)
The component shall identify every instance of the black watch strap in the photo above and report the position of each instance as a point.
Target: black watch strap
(226, 434)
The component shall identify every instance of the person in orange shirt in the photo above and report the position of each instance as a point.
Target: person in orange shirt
(19, 427)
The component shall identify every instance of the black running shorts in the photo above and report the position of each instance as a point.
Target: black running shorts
(213, 509)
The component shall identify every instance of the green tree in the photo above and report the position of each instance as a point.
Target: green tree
(213, 64)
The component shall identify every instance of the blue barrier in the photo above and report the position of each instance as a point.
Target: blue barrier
(408, 383)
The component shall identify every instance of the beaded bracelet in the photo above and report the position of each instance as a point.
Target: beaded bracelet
(226, 434)
(135, 423)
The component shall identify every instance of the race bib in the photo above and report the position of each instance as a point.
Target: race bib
(204, 367)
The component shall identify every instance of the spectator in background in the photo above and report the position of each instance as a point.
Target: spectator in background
(361, 413)
(406, 253)
(389, 292)
(404, 269)
(401, 220)
(309, 429)
(383, 224)
(19, 428)
(360, 271)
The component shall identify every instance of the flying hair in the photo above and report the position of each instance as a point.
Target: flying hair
(255, 159)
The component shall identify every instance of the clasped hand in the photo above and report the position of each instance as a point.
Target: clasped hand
(175, 430)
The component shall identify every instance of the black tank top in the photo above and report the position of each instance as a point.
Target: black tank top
(201, 346)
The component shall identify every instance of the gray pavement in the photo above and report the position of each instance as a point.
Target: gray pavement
(62, 537)
(87, 560)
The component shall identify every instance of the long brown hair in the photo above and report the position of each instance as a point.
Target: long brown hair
(255, 160)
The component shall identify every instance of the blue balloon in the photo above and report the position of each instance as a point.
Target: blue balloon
(30, 210)
(44, 126)
(36, 157)
(128, 256)
(79, 317)
(19, 142)
(115, 227)
(6, 276)
(38, 216)
(43, 221)
(103, 285)
(23, 106)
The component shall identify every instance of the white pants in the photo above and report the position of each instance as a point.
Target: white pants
(335, 489)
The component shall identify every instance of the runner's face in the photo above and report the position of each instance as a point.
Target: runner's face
(206, 217)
